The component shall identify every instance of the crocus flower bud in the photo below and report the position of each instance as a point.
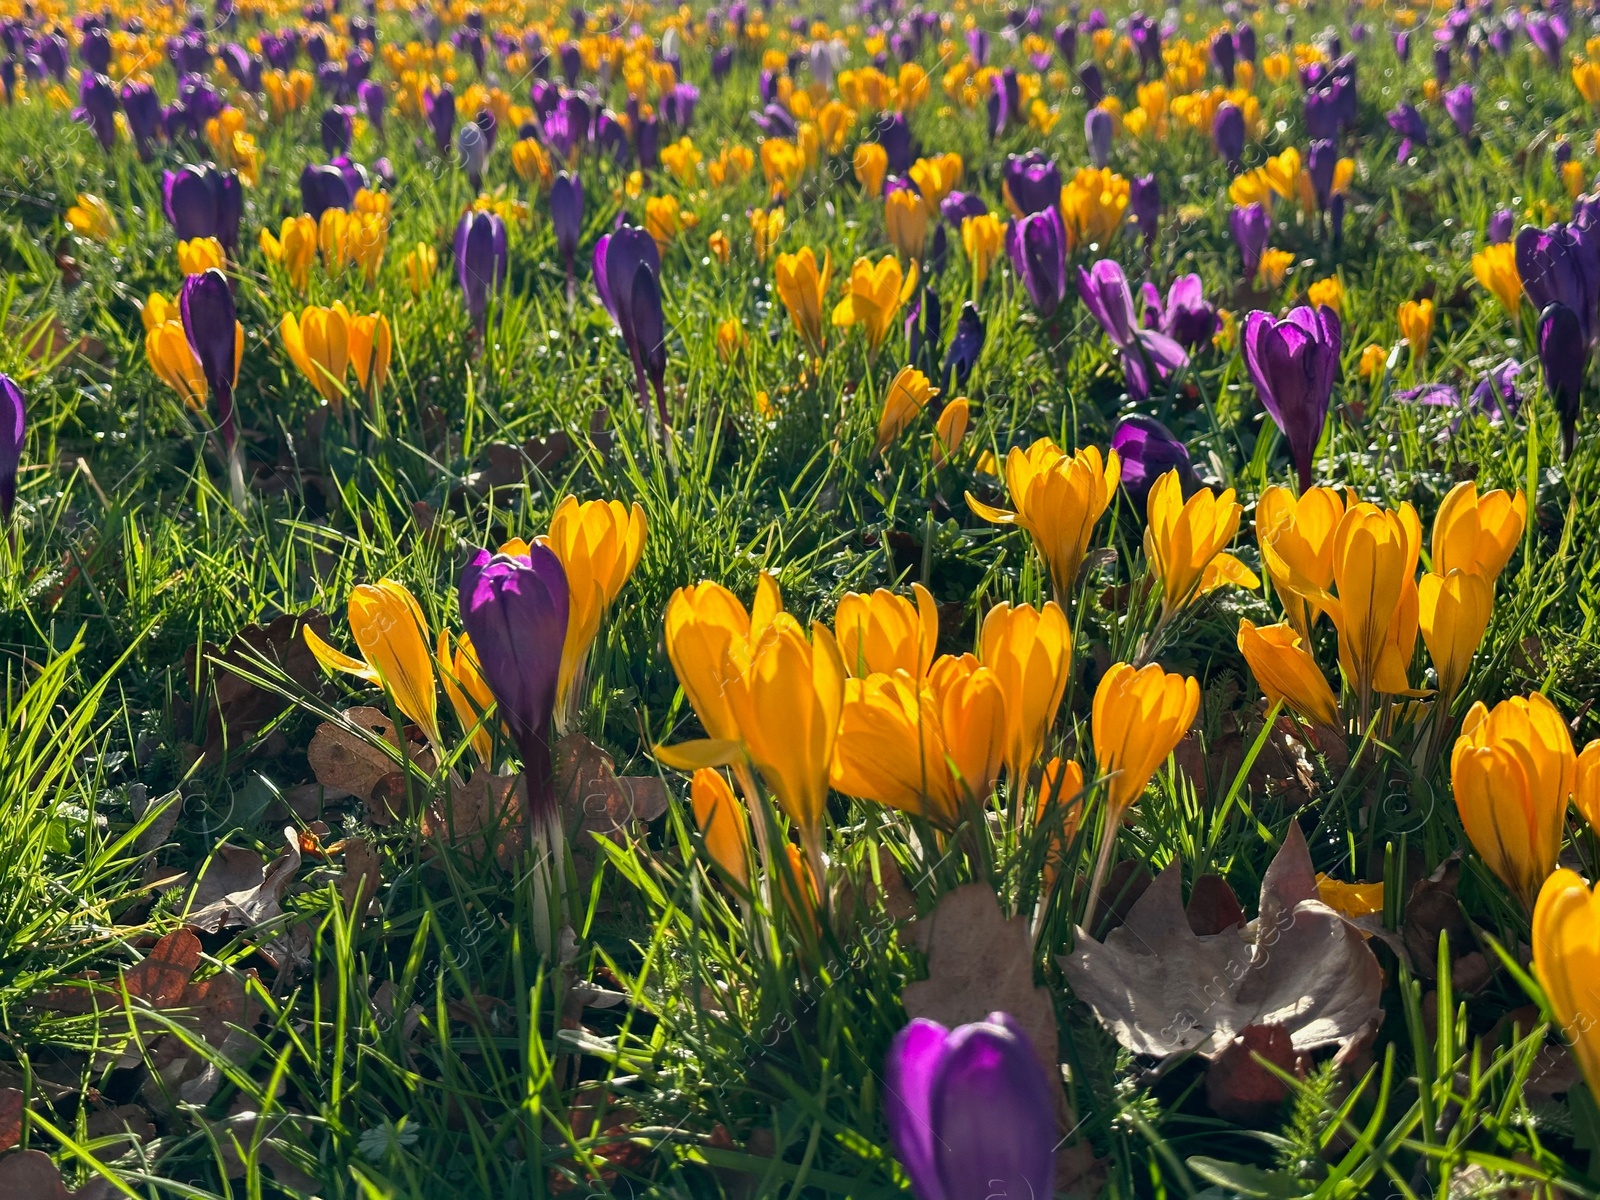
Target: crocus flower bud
(439, 108)
(1223, 56)
(1405, 120)
(371, 97)
(971, 1110)
(481, 260)
(323, 187)
(1228, 133)
(13, 433)
(650, 331)
(98, 108)
(1293, 364)
(1066, 38)
(1147, 451)
(1287, 672)
(1251, 226)
(1097, 130)
(1144, 202)
(1499, 229)
(203, 202)
(1563, 354)
(1244, 41)
(965, 347)
(1094, 88)
(472, 150)
(142, 107)
(1032, 182)
(1461, 102)
(212, 328)
(566, 213)
(1402, 45)
(338, 127)
(1321, 162)
(515, 609)
(95, 50)
(1037, 245)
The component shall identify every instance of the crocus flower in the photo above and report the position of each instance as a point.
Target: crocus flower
(1184, 542)
(1030, 652)
(1460, 103)
(970, 1111)
(481, 260)
(324, 186)
(216, 338)
(1322, 160)
(337, 127)
(1224, 55)
(1137, 719)
(1548, 33)
(1293, 364)
(13, 434)
(958, 206)
(1147, 450)
(566, 219)
(1453, 610)
(1566, 931)
(97, 106)
(515, 609)
(1186, 316)
(802, 287)
(965, 347)
(723, 823)
(372, 98)
(1405, 120)
(1287, 672)
(1144, 203)
(621, 259)
(1037, 245)
(1097, 131)
(1227, 134)
(1561, 265)
(1513, 771)
(1563, 354)
(1093, 84)
(95, 49)
(318, 342)
(203, 202)
(142, 107)
(1251, 226)
(1032, 183)
(1498, 231)
(439, 109)
(1105, 293)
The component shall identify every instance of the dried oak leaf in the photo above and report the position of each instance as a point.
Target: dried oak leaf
(486, 814)
(1162, 990)
(592, 795)
(347, 760)
(239, 708)
(1239, 1087)
(159, 980)
(11, 1110)
(239, 889)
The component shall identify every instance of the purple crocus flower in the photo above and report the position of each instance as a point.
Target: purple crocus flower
(1321, 162)
(894, 135)
(1094, 88)
(338, 127)
(1244, 41)
(1144, 202)
(1499, 228)
(203, 202)
(971, 1111)
(1186, 316)
(13, 433)
(515, 608)
(472, 151)
(95, 50)
(721, 63)
(481, 261)
(439, 109)
(323, 187)
(372, 99)
(566, 220)
(978, 45)
(650, 331)
(1460, 103)
(1227, 134)
(1066, 39)
(1561, 264)
(1097, 131)
(1293, 364)
(1548, 32)
(211, 326)
(678, 106)
(1146, 38)
(243, 66)
(965, 347)
(1251, 226)
(97, 108)
(619, 259)
(1223, 56)
(1405, 120)
(142, 107)
(1441, 64)
(1104, 290)
(1564, 354)
(1148, 451)
(1037, 245)
(1032, 181)
(958, 206)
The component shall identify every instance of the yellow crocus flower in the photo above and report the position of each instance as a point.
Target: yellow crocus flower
(1495, 267)
(1287, 673)
(92, 218)
(371, 344)
(1138, 717)
(882, 633)
(295, 248)
(874, 296)
(1030, 651)
(1477, 533)
(1416, 326)
(318, 342)
(983, 238)
(199, 255)
(802, 286)
(723, 824)
(392, 636)
(1184, 540)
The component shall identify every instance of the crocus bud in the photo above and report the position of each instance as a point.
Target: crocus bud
(1287, 672)
(338, 127)
(1144, 202)
(965, 347)
(566, 213)
(1460, 103)
(371, 97)
(95, 50)
(1321, 162)
(515, 610)
(203, 202)
(1563, 354)
(1499, 228)
(1147, 451)
(481, 260)
(1037, 246)
(971, 1110)
(1032, 182)
(97, 101)
(323, 187)
(13, 433)
(472, 150)
(1227, 134)
(142, 107)
(1293, 364)
(439, 109)
(211, 325)
(1223, 55)
(1251, 226)
(1097, 130)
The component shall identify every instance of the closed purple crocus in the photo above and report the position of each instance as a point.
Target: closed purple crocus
(1227, 134)
(97, 108)
(1460, 103)
(1499, 228)
(1144, 202)
(965, 347)
(1224, 55)
(1251, 226)
(439, 110)
(481, 261)
(1405, 120)
(211, 325)
(1066, 39)
(13, 433)
(203, 202)
(1561, 265)
(1185, 315)
(971, 1111)
(337, 128)
(324, 186)
(1032, 181)
(1097, 131)
(515, 608)
(1548, 32)
(95, 50)
(371, 97)
(958, 206)
(894, 135)
(1564, 355)
(142, 107)
(1322, 160)
(1104, 290)
(620, 258)
(1293, 363)
(566, 220)
(1037, 246)
(1148, 451)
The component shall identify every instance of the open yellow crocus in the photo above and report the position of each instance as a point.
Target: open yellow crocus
(874, 296)
(1295, 535)
(1566, 961)
(803, 286)
(883, 632)
(1030, 651)
(392, 635)
(1184, 540)
(318, 342)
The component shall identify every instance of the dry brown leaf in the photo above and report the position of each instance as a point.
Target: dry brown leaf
(1161, 990)
(594, 798)
(1239, 1087)
(31, 1175)
(11, 1110)
(363, 875)
(159, 980)
(487, 813)
(346, 759)
(239, 709)
(244, 1131)
(239, 889)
